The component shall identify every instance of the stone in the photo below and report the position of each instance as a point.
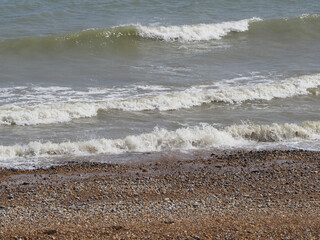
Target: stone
(195, 204)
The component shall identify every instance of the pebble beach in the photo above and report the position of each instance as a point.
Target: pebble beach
(228, 195)
(159, 119)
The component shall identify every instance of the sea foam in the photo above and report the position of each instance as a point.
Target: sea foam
(11, 114)
(197, 32)
(188, 138)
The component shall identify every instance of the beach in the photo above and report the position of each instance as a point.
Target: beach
(91, 79)
(268, 194)
(159, 119)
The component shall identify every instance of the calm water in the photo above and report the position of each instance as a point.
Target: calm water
(103, 78)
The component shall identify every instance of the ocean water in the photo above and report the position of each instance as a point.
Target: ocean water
(114, 79)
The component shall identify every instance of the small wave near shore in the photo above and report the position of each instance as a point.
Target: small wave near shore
(189, 138)
(12, 114)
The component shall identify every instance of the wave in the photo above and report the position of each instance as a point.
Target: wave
(11, 114)
(287, 29)
(195, 138)
(197, 32)
(123, 36)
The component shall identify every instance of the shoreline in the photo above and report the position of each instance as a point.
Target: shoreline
(230, 194)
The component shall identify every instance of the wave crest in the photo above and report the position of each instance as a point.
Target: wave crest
(120, 37)
(197, 32)
(203, 137)
(195, 96)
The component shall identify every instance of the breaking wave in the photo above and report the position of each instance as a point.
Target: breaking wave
(197, 32)
(11, 114)
(204, 137)
(124, 35)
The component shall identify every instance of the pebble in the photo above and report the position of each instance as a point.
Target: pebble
(196, 204)
(233, 192)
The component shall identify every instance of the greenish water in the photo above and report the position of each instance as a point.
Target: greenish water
(99, 78)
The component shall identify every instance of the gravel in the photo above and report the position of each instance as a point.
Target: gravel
(258, 194)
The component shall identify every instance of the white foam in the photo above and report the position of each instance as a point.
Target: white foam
(305, 15)
(163, 101)
(200, 137)
(276, 132)
(45, 114)
(197, 32)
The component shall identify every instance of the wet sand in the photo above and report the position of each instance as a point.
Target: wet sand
(228, 195)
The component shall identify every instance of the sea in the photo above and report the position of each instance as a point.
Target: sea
(103, 80)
